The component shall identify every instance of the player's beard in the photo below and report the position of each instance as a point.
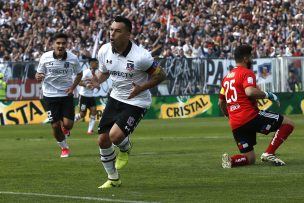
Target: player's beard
(249, 65)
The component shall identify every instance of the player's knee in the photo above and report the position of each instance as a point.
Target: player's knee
(288, 121)
(56, 124)
(68, 126)
(82, 114)
(104, 141)
(250, 157)
(93, 112)
(116, 138)
(251, 160)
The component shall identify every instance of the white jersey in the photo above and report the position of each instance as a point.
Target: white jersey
(131, 66)
(87, 92)
(58, 73)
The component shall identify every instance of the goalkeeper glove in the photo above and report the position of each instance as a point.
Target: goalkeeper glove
(271, 96)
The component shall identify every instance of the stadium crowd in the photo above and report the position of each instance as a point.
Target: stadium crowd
(168, 28)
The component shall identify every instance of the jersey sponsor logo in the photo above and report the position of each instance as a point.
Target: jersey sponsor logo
(250, 80)
(130, 66)
(121, 74)
(57, 71)
(234, 107)
(66, 64)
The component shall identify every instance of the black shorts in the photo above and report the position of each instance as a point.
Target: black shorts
(265, 122)
(58, 108)
(86, 102)
(126, 116)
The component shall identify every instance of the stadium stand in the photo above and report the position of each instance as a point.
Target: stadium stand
(167, 28)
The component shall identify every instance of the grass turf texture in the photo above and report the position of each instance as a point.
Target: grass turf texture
(175, 160)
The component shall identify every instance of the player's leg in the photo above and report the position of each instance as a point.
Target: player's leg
(125, 125)
(53, 109)
(82, 108)
(245, 138)
(93, 112)
(123, 142)
(68, 114)
(236, 160)
(280, 135)
(108, 157)
(106, 148)
(282, 126)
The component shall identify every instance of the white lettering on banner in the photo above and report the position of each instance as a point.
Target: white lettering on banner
(17, 91)
(216, 69)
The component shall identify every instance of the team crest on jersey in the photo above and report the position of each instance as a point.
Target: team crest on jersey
(66, 64)
(130, 66)
(250, 80)
(130, 121)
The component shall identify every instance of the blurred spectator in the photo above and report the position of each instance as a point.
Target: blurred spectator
(294, 85)
(273, 28)
(2, 87)
(5, 67)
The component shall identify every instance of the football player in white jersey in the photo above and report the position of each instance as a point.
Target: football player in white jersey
(86, 95)
(55, 70)
(133, 72)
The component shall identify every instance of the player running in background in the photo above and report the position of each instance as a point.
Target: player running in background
(133, 72)
(237, 100)
(55, 70)
(86, 98)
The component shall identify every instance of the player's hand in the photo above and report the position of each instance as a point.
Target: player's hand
(39, 77)
(271, 96)
(136, 89)
(93, 83)
(70, 91)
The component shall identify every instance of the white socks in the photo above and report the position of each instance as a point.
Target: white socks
(77, 117)
(91, 123)
(107, 157)
(63, 144)
(125, 145)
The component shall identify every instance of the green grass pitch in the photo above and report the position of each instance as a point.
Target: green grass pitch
(175, 160)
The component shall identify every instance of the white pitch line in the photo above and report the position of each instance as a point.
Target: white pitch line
(73, 197)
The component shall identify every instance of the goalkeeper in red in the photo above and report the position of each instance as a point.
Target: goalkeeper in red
(237, 100)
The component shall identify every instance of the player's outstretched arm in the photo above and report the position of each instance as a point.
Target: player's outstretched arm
(99, 78)
(255, 93)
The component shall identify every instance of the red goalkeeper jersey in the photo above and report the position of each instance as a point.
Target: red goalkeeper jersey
(240, 107)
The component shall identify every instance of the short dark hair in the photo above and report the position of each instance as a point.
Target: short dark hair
(92, 59)
(242, 51)
(60, 35)
(124, 20)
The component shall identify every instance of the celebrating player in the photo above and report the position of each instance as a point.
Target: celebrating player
(55, 70)
(133, 71)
